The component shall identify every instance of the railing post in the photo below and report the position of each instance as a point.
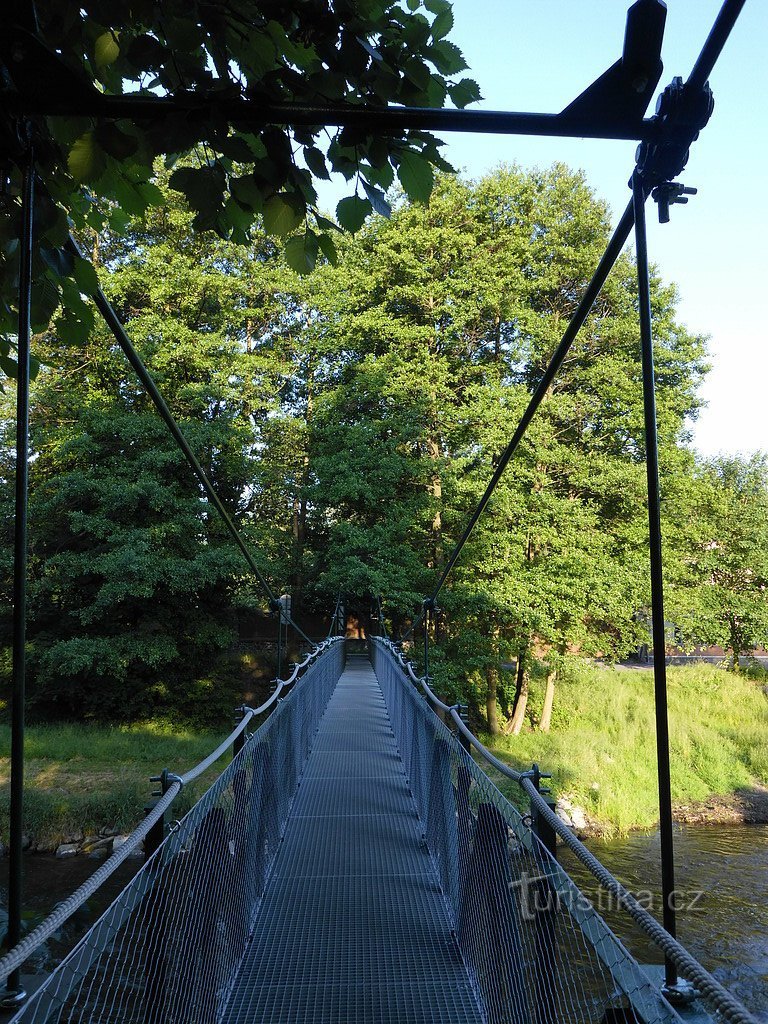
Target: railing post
(14, 993)
(276, 607)
(427, 608)
(239, 741)
(540, 827)
(545, 903)
(462, 711)
(156, 834)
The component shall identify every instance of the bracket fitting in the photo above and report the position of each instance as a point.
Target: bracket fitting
(166, 779)
(681, 113)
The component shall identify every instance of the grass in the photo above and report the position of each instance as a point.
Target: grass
(80, 778)
(602, 748)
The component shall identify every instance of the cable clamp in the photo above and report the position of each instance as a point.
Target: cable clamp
(682, 993)
(166, 780)
(670, 193)
(536, 775)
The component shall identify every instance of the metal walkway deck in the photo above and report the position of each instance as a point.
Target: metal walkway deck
(353, 926)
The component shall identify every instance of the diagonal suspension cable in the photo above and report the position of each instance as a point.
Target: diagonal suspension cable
(705, 62)
(606, 264)
(611, 254)
(121, 336)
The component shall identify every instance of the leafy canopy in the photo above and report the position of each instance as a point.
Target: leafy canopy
(99, 172)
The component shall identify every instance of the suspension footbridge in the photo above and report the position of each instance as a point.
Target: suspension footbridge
(354, 863)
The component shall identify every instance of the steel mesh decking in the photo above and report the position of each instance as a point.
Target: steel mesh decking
(353, 926)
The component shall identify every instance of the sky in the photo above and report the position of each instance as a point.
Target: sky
(539, 56)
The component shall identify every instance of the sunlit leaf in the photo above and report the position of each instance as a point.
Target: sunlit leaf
(283, 213)
(86, 160)
(106, 49)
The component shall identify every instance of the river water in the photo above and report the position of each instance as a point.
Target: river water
(721, 879)
(722, 882)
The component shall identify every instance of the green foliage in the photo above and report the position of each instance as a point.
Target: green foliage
(722, 593)
(350, 405)
(447, 315)
(97, 175)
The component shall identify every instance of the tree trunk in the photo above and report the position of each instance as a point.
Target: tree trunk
(491, 706)
(518, 716)
(515, 723)
(549, 700)
(436, 487)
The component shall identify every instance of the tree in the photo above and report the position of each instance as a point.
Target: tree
(133, 577)
(456, 307)
(722, 598)
(100, 172)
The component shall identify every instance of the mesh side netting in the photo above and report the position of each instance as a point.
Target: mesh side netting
(167, 949)
(534, 946)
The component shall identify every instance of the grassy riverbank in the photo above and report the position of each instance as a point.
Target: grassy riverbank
(601, 750)
(80, 778)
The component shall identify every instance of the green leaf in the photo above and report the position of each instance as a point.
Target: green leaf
(437, 6)
(45, 301)
(316, 162)
(60, 261)
(442, 24)
(413, 5)
(236, 148)
(377, 200)
(203, 187)
(372, 52)
(9, 367)
(114, 141)
(446, 56)
(436, 91)
(301, 252)
(247, 192)
(328, 249)
(352, 212)
(86, 160)
(86, 276)
(416, 176)
(106, 49)
(416, 71)
(464, 92)
(284, 212)
(74, 327)
(146, 52)
(325, 223)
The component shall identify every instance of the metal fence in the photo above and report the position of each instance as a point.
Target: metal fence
(167, 949)
(535, 948)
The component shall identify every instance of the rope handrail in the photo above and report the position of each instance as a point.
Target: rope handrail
(689, 967)
(15, 957)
